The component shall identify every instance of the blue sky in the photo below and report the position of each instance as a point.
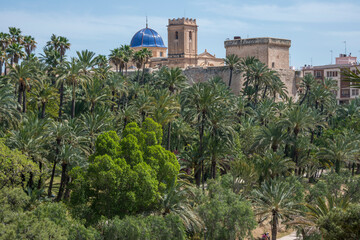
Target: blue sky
(315, 27)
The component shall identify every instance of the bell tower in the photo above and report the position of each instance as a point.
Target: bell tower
(182, 42)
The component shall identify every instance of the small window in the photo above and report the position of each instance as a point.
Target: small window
(190, 35)
(161, 54)
(176, 35)
(273, 65)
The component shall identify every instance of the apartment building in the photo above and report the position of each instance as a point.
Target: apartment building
(345, 92)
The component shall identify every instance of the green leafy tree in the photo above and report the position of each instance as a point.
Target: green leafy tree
(126, 176)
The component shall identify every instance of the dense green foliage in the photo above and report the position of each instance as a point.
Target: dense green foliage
(90, 149)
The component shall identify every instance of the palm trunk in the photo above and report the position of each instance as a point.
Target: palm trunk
(52, 179)
(67, 191)
(24, 100)
(143, 74)
(1, 64)
(40, 176)
(61, 91)
(43, 110)
(337, 166)
(169, 136)
(201, 150)
(265, 90)
(62, 181)
(20, 96)
(213, 167)
(231, 72)
(73, 102)
(274, 226)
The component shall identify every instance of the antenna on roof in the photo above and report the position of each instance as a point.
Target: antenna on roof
(146, 21)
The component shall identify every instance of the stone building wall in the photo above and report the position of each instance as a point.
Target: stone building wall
(274, 52)
(198, 74)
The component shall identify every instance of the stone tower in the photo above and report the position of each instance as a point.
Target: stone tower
(182, 42)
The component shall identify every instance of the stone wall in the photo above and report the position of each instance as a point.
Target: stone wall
(198, 74)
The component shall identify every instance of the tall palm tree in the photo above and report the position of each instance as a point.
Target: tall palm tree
(307, 83)
(15, 35)
(60, 133)
(63, 45)
(147, 55)
(54, 42)
(271, 136)
(42, 93)
(274, 201)
(178, 200)
(5, 41)
(128, 55)
(15, 53)
(198, 102)
(174, 81)
(9, 115)
(115, 58)
(165, 107)
(139, 59)
(340, 149)
(22, 75)
(29, 44)
(87, 60)
(96, 93)
(232, 61)
(31, 139)
(73, 77)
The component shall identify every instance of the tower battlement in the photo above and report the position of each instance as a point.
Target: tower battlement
(182, 21)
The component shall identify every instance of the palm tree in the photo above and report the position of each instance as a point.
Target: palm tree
(198, 102)
(139, 59)
(42, 93)
(274, 200)
(63, 46)
(21, 74)
(96, 93)
(15, 52)
(9, 115)
(115, 58)
(54, 42)
(128, 55)
(178, 200)
(31, 139)
(67, 155)
(5, 41)
(15, 35)
(174, 80)
(270, 137)
(147, 55)
(339, 149)
(87, 60)
(165, 107)
(60, 132)
(297, 119)
(73, 77)
(118, 87)
(232, 61)
(29, 45)
(307, 83)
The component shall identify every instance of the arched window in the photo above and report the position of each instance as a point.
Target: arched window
(190, 35)
(176, 35)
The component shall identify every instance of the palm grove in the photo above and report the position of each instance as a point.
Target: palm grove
(90, 153)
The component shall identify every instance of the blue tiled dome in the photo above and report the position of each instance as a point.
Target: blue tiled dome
(147, 37)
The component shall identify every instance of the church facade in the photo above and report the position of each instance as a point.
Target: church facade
(182, 46)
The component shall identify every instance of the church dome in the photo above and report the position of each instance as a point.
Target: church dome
(147, 37)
